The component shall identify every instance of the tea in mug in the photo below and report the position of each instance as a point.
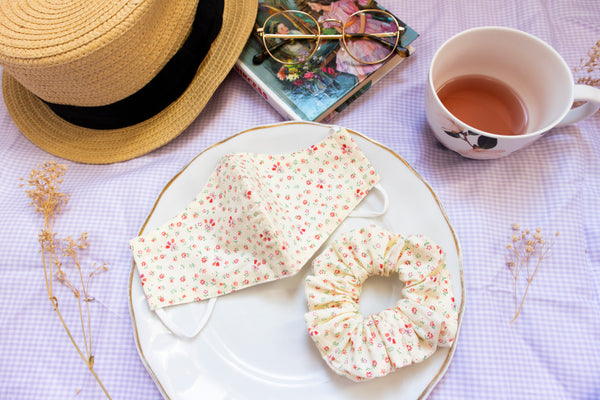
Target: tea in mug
(485, 103)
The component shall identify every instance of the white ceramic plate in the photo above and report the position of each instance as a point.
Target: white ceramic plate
(256, 345)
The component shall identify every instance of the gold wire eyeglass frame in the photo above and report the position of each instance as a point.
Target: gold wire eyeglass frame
(343, 36)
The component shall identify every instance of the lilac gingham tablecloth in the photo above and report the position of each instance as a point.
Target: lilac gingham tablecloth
(550, 352)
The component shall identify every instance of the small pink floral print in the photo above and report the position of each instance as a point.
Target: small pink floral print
(211, 197)
(331, 288)
(238, 216)
(209, 224)
(276, 167)
(265, 236)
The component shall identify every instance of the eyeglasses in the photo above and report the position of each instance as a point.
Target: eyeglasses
(368, 36)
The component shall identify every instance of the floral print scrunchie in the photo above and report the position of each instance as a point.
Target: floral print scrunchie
(423, 319)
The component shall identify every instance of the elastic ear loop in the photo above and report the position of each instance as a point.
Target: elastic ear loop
(172, 326)
(370, 213)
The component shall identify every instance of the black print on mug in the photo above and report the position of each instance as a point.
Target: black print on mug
(482, 142)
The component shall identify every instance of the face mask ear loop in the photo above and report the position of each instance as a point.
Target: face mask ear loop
(166, 320)
(369, 213)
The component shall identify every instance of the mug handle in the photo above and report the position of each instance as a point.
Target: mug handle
(586, 93)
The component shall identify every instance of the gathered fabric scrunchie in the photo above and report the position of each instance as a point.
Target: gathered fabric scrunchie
(424, 318)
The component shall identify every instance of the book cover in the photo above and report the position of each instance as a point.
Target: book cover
(321, 87)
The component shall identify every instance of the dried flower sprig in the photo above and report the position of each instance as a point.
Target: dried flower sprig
(46, 198)
(591, 67)
(526, 251)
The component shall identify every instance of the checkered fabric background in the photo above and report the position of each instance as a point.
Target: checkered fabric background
(550, 352)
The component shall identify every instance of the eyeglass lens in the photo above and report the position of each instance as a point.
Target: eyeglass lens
(291, 50)
(360, 40)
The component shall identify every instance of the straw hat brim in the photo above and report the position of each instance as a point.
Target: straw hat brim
(53, 134)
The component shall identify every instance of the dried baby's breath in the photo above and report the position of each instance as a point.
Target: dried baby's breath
(46, 198)
(589, 68)
(44, 192)
(526, 251)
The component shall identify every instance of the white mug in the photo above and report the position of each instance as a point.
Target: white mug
(530, 67)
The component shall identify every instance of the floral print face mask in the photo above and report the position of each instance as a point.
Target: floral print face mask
(259, 218)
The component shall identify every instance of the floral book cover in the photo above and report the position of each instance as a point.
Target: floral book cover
(322, 86)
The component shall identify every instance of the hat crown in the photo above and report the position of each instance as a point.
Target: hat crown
(90, 52)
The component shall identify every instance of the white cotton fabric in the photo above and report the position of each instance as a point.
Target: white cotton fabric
(423, 319)
(260, 217)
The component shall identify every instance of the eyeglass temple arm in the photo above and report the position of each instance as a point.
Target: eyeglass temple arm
(260, 58)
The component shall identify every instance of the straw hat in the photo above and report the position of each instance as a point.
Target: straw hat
(129, 75)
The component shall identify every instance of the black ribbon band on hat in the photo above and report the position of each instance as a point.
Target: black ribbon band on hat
(164, 88)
